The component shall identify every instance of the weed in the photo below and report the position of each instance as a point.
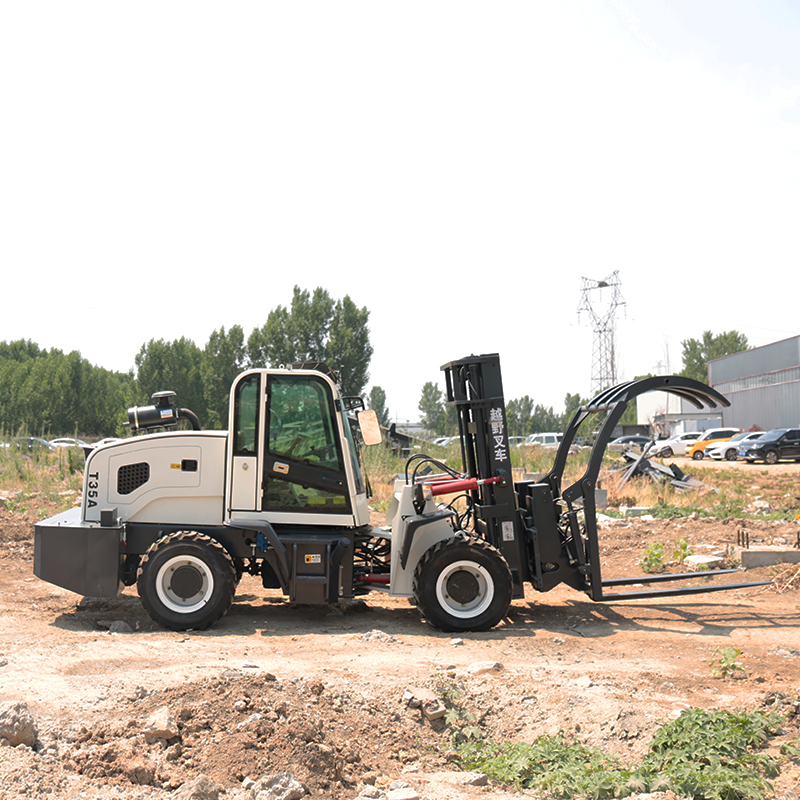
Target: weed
(653, 558)
(704, 754)
(791, 749)
(725, 666)
(681, 549)
(463, 724)
(558, 765)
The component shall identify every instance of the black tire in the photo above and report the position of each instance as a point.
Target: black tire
(770, 457)
(462, 584)
(666, 453)
(698, 455)
(186, 581)
(730, 455)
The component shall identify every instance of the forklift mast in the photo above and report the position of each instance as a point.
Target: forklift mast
(548, 535)
(474, 387)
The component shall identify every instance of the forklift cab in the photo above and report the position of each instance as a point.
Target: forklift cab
(292, 457)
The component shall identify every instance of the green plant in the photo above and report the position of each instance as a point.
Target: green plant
(681, 549)
(653, 558)
(708, 755)
(713, 755)
(461, 722)
(725, 666)
(791, 749)
(558, 765)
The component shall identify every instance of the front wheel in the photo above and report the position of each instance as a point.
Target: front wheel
(462, 584)
(730, 455)
(186, 581)
(698, 455)
(770, 457)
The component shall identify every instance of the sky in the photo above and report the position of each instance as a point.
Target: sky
(168, 169)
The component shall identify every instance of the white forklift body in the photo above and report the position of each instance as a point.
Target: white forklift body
(185, 515)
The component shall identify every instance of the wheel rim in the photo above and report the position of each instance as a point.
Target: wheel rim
(184, 584)
(464, 589)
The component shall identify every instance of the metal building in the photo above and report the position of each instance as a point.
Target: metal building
(763, 385)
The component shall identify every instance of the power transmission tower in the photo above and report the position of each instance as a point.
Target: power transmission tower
(607, 296)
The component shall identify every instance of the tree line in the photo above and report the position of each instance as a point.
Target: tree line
(49, 392)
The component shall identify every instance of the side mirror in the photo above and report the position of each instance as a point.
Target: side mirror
(370, 429)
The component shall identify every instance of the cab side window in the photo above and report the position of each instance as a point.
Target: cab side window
(245, 416)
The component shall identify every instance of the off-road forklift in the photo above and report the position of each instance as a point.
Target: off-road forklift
(185, 514)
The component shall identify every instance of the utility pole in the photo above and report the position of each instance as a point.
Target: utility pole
(600, 300)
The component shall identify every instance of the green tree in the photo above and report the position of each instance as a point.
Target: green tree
(434, 414)
(697, 353)
(518, 416)
(572, 402)
(377, 402)
(316, 328)
(348, 348)
(173, 366)
(544, 419)
(223, 359)
(50, 393)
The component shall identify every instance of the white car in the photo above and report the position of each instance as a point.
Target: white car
(728, 450)
(68, 443)
(675, 445)
(544, 439)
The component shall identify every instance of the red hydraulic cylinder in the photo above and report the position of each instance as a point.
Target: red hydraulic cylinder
(463, 485)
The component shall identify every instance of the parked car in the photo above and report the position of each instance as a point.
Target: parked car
(544, 439)
(713, 435)
(65, 442)
(629, 443)
(31, 443)
(773, 446)
(728, 450)
(675, 445)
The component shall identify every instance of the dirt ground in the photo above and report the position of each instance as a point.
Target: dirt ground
(336, 696)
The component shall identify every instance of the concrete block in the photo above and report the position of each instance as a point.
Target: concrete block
(766, 556)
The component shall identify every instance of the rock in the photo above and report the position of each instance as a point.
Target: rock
(480, 667)
(199, 788)
(702, 563)
(17, 725)
(434, 709)
(283, 786)
(377, 636)
(119, 626)
(371, 793)
(162, 724)
(475, 779)
(406, 793)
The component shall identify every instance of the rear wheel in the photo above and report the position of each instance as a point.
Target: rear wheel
(186, 581)
(462, 584)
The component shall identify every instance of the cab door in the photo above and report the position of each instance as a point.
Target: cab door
(247, 400)
(303, 459)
